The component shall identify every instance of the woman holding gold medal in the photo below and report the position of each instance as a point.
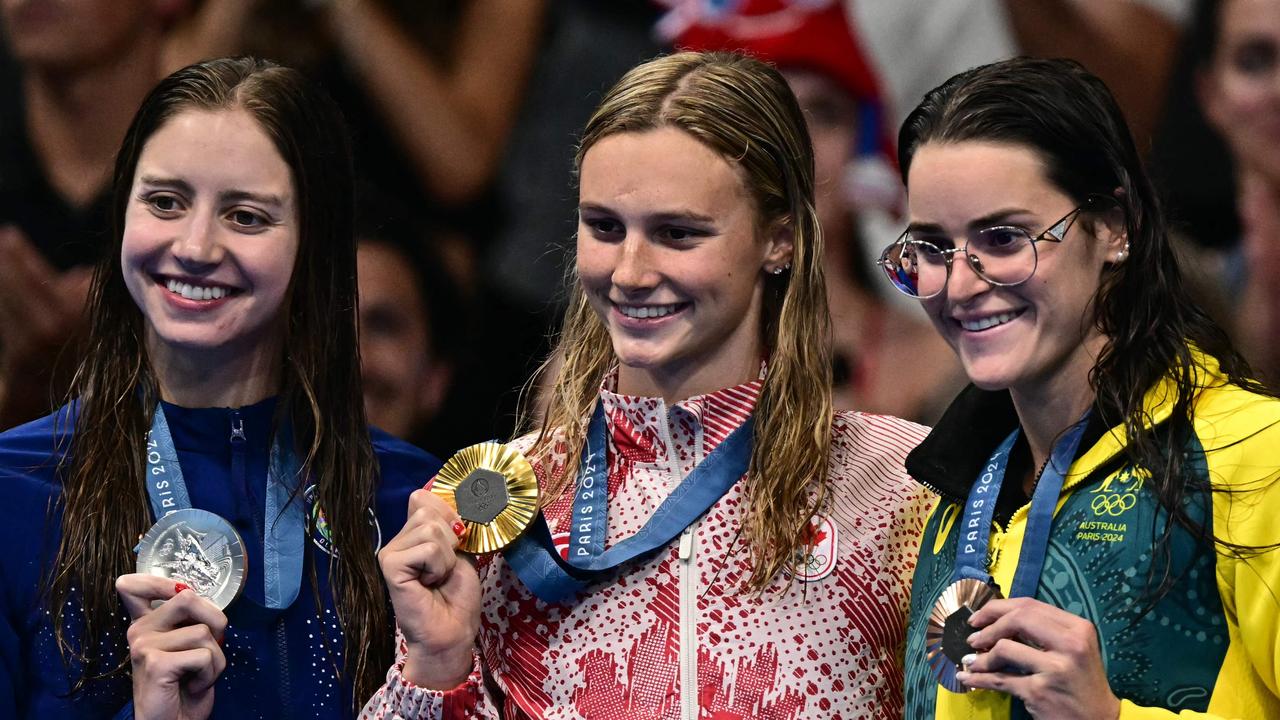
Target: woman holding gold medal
(713, 539)
(1112, 470)
(218, 404)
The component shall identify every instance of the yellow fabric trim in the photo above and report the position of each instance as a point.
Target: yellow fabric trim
(1240, 433)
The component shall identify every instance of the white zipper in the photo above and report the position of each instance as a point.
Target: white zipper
(688, 624)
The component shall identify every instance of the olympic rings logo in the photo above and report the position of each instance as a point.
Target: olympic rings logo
(1113, 504)
(813, 563)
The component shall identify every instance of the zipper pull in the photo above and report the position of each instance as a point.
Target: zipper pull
(686, 545)
(237, 428)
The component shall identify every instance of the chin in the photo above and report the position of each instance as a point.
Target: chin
(191, 338)
(990, 376)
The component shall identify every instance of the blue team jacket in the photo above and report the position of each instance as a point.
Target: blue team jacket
(277, 662)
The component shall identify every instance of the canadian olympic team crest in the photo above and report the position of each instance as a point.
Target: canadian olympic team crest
(816, 558)
(322, 535)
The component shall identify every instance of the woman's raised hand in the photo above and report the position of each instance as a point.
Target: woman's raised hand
(435, 591)
(1043, 655)
(175, 648)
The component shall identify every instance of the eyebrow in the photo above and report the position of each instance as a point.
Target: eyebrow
(980, 223)
(226, 196)
(667, 216)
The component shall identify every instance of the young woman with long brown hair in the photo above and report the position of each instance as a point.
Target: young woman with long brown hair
(1105, 545)
(751, 553)
(222, 377)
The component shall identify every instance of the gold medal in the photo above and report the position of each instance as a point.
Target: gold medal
(494, 490)
(947, 636)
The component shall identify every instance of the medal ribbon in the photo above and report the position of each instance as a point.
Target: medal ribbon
(975, 528)
(553, 579)
(284, 518)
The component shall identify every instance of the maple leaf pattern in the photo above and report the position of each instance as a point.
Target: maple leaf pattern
(826, 648)
(813, 534)
(646, 689)
(743, 696)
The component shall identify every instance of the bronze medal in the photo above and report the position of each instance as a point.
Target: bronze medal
(946, 637)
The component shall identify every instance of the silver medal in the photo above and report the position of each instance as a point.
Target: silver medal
(198, 548)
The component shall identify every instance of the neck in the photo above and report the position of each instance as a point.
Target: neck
(76, 119)
(1047, 408)
(673, 387)
(223, 377)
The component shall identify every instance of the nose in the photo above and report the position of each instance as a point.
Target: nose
(635, 270)
(198, 246)
(965, 282)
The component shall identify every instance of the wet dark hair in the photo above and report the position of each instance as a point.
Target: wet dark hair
(320, 392)
(1068, 117)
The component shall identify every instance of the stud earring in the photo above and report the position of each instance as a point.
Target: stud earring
(778, 270)
(1123, 252)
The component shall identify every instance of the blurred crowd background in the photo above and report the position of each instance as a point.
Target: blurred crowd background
(464, 115)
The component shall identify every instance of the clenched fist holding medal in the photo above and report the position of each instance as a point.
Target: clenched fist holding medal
(483, 498)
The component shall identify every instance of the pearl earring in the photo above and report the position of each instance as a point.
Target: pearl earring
(1123, 252)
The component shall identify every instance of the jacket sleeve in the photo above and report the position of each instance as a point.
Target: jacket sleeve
(400, 699)
(1246, 475)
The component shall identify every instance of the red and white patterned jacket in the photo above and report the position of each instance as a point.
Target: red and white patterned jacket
(676, 636)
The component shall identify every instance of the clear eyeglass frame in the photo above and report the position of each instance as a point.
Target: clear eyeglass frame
(890, 258)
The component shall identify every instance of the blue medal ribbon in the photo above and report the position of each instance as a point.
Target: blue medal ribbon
(979, 509)
(554, 579)
(284, 518)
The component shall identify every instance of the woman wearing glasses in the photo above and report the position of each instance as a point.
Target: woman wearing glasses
(1111, 471)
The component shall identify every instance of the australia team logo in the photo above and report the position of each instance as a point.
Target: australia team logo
(322, 535)
(1118, 493)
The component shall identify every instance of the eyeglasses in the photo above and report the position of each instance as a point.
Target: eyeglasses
(1004, 255)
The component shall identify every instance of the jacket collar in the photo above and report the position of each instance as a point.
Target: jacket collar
(949, 459)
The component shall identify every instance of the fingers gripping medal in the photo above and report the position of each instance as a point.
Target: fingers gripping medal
(947, 636)
(495, 491)
(199, 549)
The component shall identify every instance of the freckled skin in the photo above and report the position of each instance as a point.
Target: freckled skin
(665, 221)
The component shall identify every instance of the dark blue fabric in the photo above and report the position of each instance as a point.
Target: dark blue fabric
(278, 664)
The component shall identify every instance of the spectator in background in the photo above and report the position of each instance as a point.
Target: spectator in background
(855, 186)
(1239, 90)
(81, 70)
(430, 89)
(408, 329)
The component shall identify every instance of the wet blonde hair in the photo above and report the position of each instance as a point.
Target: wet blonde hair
(743, 110)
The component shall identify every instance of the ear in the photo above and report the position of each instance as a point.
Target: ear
(779, 247)
(1112, 231)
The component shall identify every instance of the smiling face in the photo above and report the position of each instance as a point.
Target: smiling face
(1034, 335)
(210, 236)
(673, 260)
(1240, 91)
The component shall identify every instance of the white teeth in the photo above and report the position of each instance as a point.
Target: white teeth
(988, 322)
(647, 311)
(195, 292)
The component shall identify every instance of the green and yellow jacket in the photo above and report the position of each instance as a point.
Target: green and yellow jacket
(1209, 647)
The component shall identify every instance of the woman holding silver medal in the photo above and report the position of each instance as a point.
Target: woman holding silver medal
(713, 538)
(220, 400)
(1140, 558)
